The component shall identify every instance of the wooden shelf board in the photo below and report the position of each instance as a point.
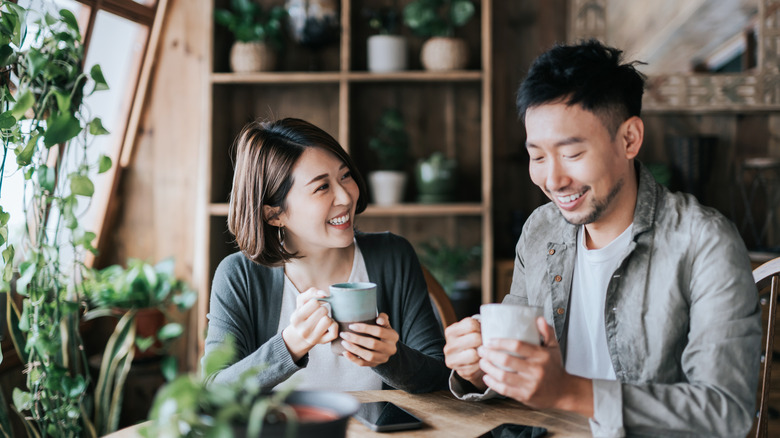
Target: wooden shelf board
(276, 78)
(413, 209)
(410, 209)
(335, 77)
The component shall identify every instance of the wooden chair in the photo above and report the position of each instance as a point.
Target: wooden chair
(767, 278)
(440, 300)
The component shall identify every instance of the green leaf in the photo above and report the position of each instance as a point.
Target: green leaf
(170, 331)
(169, 368)
(81, 185)
(70, 19)
(143, 344)
(104, 163)
(73, 386)
(47, 177)
(22, 400)
(219, 358)
(97, 76)
(7, 120)
(461, 12)
(8, 258)
(7, 55)
(96, 127)
(25, 156)
(23, 103)
(18, 15)
(62, 128)
(4, 216)
(36, 62)
(3, 235)
(63, 101)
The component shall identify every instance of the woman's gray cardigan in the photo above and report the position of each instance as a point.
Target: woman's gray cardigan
(246, 300)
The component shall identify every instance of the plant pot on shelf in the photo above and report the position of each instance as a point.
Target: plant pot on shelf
(435, 179)
(387, 186)
(252, 57)
(444, 53)
(465, 299)
(386, 53)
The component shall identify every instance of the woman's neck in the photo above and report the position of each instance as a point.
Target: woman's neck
(321, 269)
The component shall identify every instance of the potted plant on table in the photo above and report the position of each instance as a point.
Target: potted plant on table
(191, 406)
(258, 34)
(451, 266)
(387, 50)
(436, 178)
(436, 20)
(391, 145)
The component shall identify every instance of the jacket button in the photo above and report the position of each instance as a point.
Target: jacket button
(551, 252)
(560, 311)
(558, 278)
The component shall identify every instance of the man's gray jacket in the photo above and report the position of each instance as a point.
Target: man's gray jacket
(682, 318)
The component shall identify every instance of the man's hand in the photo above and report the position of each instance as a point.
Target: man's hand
(534, 375)
(309, 324)
(373, 349)
(460, 352)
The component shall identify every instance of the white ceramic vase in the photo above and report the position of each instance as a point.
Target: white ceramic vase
(387, 186)
(386, 53)
(442, 53)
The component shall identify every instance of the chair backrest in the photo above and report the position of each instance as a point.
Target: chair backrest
(767, 278)
(440, 299)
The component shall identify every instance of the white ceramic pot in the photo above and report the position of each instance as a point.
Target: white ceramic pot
(440, 53)
(387, 186)
(386, 53)
(252, 57)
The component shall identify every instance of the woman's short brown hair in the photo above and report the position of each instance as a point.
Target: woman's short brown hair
(266, 153)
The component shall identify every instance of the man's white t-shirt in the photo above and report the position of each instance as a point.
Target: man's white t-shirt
(325, 370)
(586, 344)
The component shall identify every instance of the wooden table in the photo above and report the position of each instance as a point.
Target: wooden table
(447, 417)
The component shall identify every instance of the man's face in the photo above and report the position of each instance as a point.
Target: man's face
(578, 164)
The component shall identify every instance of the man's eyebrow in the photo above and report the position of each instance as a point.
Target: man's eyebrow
(565, 142)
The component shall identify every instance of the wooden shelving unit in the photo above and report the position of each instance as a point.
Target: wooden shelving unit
(444, 111)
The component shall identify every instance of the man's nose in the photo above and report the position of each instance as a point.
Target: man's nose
(557, 177)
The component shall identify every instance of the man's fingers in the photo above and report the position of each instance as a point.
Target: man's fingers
(462, 327)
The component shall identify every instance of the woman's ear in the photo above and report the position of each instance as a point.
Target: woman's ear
(271, 215)
(633, 134)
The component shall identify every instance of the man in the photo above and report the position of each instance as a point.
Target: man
(655, 320)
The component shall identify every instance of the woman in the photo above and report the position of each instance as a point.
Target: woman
(293, 204)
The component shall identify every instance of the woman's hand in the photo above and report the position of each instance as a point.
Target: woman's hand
(372, 345)
(309, 324)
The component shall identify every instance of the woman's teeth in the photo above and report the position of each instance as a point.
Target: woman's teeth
(339, 220)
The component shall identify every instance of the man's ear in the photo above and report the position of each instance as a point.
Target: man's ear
(271, 215)
(633, 132)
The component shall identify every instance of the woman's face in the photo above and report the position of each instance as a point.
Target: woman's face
(320, 205)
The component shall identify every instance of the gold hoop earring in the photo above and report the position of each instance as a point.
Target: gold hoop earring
(280, 234)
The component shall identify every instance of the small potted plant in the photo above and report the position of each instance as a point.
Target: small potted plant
(191, 405)
(386, 50)
(391, 145)
(436, 179)
(258, 34)
(436, 20)
(451, 265)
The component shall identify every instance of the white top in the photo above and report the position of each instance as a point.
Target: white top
(586, 345)
(325, 370)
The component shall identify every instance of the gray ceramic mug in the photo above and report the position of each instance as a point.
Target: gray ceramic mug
(351, 303)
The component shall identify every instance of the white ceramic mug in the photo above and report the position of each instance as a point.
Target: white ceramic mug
(510, 321)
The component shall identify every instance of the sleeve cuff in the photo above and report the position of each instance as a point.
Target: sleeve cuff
(286, 363)
(459, 388)
(607, 421)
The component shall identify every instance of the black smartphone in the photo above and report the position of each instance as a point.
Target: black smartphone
(384, 416)
(510, 430)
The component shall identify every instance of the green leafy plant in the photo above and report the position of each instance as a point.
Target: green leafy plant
(391, 141)
(121, 292)
(429, 18)
(449, 263)
(190, 406)
(44, 123)
(249, 22)
(383, 20)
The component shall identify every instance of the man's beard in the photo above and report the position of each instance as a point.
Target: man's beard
(599, 207)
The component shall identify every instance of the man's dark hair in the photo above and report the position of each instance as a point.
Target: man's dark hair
(589, 74)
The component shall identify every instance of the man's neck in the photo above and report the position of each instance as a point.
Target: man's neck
(602, 232)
